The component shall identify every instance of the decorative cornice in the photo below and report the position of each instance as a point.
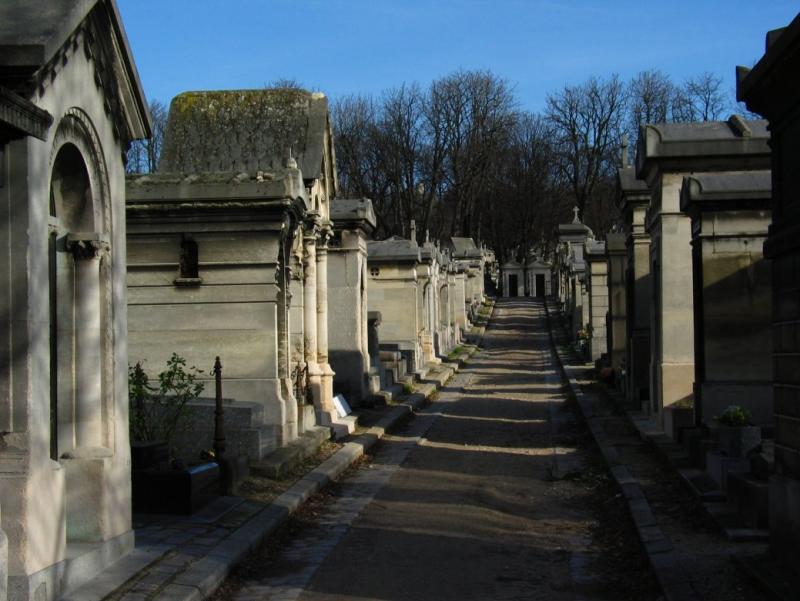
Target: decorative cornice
(23, 115)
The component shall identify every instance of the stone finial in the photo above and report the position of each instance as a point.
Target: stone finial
(576, 219)
(624, 150)
(427, 236)
(413, 232)
(291, 162)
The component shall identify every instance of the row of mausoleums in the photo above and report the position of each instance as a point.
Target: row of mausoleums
(695, 304)
(238, 246)
(532, 277)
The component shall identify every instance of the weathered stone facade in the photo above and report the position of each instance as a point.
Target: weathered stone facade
(616, 335)
(633, 199)
(569, 270)
(597, 293)
(70, 103)
(732, 292)
(665, 154)
(228, 251)
(354, 222)
(771, 90)
(393, 291)
(513, 274)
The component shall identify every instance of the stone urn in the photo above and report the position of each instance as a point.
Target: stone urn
(738, 441)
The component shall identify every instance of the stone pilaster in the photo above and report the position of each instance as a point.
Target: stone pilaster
(310, 340)
(88, 251)
(326, 373)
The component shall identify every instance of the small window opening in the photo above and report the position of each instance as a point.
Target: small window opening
(189, 264)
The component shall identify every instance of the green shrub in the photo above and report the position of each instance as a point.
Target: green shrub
(734, 415)
(156, 412)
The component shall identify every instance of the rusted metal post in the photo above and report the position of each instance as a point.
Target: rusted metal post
(219, 416)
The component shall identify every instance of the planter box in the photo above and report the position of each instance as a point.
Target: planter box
(738, 441)
(148, 454)
(180, 491)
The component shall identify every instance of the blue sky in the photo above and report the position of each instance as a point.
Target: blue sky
(365, 46)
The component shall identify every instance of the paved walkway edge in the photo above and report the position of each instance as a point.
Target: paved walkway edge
(661, 554)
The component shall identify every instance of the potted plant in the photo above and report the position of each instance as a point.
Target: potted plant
(737, 434)
(161, 483)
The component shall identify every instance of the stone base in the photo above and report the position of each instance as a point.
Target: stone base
(88, 503)
(84, 561)
(676, 419)
(784, 519)
(306, 418)
(340, 426)
(719, 466)
(675, 384)
(3, 566)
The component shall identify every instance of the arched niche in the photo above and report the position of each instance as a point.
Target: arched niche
(80, 227)
(71, 190)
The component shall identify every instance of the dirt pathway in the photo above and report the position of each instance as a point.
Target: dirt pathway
(492, 493)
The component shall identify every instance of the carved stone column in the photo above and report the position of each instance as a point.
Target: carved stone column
(326, 389)
(89, 493)
(87, 250)
(310, 340)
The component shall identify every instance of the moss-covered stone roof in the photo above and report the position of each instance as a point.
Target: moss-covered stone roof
(245, 130)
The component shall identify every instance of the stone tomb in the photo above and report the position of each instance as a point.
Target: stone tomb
(617, 309)
(469, 259)
(428, 306)
(70, 103)
(393, 291)
(633, 199)
(771, 90)
(227, 255)
(597, 292)
(513, 278)
(732, 292)
(538, 276)
(354, 222)
(665, 154)
(570, 271)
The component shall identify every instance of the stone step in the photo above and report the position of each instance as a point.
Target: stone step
(344, 426)
(283, 460)
(749, 498)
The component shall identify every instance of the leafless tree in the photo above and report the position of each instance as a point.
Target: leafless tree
(701, 98)
(587, 122)
(143, 155)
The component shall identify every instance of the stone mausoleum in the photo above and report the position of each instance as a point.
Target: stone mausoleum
(70, 104)
(227, 255)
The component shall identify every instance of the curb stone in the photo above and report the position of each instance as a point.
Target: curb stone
(661, 554)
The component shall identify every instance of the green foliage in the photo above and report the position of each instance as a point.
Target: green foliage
(455, 352)
(735, 416)
(408, 388)
(157, 411)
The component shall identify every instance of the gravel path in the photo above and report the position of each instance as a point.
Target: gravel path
(493, 492)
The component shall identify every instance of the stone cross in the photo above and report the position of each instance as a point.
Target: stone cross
(576, 219)
(624, 150)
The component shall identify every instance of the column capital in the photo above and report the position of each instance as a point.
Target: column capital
(311, 225)
(86, 245)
